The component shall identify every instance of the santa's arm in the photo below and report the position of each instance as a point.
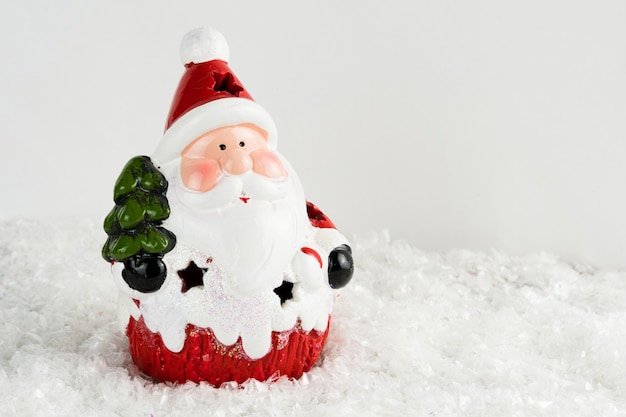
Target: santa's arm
(340, 265)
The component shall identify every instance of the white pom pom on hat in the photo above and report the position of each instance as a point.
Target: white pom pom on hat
(203, 45)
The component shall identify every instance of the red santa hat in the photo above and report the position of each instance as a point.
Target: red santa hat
(208, 96)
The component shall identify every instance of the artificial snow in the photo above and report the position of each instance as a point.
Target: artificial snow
(415, 333)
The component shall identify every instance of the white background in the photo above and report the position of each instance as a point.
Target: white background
(479, 125)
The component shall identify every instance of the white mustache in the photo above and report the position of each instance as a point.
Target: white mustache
(230, 188)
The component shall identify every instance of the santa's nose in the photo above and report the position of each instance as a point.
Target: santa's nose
(236, 161)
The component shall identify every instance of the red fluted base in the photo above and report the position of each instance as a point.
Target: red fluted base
(204, 358)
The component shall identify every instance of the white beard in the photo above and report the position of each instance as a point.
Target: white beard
(252, 243)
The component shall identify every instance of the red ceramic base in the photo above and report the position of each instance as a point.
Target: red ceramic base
(204, 358)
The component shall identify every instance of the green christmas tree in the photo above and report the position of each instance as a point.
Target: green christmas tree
(136, 236)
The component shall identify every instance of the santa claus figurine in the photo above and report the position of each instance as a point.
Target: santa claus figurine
(225, 271)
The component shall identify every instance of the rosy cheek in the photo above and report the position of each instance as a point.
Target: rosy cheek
(267, 163)
(200, 174)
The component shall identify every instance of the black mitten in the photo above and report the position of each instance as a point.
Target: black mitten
(340, 266)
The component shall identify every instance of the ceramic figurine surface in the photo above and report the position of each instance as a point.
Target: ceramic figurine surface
(226, 272)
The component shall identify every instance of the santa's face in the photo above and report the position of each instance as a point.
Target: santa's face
(228, 151)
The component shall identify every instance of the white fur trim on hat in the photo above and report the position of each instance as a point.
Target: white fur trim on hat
(203, 45)
(209, 116)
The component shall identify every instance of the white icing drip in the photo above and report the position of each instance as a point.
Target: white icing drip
(252, 318)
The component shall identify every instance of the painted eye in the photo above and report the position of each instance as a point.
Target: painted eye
(242, 144)
(222, 147)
